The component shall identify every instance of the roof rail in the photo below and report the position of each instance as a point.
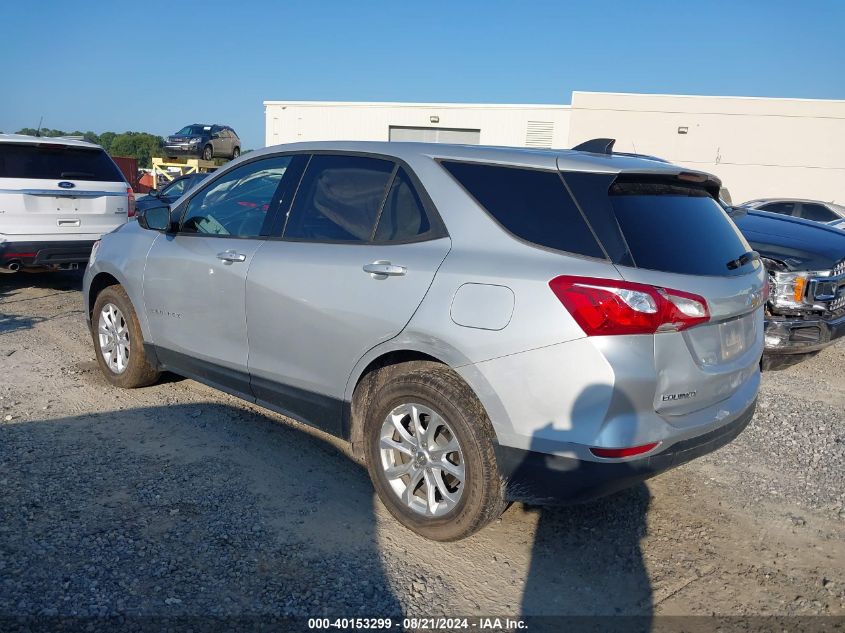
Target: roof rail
(596, 146)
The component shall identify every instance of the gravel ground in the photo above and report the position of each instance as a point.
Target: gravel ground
(180, 500)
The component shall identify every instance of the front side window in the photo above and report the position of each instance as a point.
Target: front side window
(339, 199)
(784, 208)
(817, 213)
(176, 189)
(237, 203)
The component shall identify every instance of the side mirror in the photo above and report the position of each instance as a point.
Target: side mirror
(155, 193)
(155, 219)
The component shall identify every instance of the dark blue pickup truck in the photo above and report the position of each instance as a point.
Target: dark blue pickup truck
(806, 265)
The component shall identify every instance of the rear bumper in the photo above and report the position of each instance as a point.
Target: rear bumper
(46, 253)
(785, 335)
(551, 479)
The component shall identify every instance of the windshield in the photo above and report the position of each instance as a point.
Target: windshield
(192, 130)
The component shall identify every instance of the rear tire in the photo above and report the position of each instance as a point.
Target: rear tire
(454, 493)
(207, 152)
(118, 341)
(236, 152)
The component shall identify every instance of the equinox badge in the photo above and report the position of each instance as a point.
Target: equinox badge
(668, 397)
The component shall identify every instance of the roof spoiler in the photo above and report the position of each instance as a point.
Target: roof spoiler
(596, 146)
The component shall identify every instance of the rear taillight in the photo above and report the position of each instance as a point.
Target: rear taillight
(605, 307)
(131, 208)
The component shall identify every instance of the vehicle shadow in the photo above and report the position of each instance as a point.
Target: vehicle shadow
(206, 510)
(587, 571)
(14, 314)
(212, 511)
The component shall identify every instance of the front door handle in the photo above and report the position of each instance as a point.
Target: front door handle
(382, 269)
(231, 256)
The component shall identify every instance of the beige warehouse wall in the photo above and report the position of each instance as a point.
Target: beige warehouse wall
(293, 121)
(758, 147)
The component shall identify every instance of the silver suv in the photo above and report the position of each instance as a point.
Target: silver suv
(482, 324)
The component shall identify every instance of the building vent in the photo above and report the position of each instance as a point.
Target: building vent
(539, 134)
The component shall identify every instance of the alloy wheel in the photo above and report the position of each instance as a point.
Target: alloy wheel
(422, 459)
(113, 335)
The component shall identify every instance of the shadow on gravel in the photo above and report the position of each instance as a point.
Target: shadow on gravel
(586, 561)
(187, 510)
(11, 285)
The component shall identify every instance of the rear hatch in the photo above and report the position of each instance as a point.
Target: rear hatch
(55, 191)
(671, 233)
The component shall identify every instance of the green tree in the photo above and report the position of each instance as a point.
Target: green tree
(139, 145)
(106, 139)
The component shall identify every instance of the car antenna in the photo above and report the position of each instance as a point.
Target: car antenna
(596, 146)
(38, 131)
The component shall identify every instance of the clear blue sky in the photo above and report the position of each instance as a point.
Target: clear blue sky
(155, 66)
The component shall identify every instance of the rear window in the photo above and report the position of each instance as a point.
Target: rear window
(678, 229)
(532, 204)
(57, 163)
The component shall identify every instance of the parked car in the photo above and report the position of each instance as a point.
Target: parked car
(814, 210)
(170, 193)
(204, 141)
(57, 197)
(482, 324)
(806, 263)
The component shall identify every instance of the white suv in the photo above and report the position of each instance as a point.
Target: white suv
(57, 197)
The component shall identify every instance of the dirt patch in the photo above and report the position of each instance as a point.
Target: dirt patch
(178, 499)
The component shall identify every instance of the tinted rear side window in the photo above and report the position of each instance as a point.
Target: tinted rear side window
(531, 204)
(817, 213)
(339, 199)
(403, 216)
(677, 229)
(56, 163)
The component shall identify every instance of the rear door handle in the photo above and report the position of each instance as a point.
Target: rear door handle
(382, 269)
(231, 256)
(68, 222)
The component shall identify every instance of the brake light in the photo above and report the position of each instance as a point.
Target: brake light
(606, 307)
(131, 208)
(616, 453)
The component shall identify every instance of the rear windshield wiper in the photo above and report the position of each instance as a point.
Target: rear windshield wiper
(743, 259)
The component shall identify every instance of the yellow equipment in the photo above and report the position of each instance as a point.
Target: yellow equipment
(170, 168)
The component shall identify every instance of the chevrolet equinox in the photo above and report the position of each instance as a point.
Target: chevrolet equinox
(482, 324)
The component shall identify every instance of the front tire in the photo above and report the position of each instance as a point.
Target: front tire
(429, 450)
(118, 341)
(207, 152)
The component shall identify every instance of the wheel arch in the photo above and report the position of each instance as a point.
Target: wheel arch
(100, 282)
(368, 372)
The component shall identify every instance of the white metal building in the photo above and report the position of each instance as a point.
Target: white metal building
(485, 124)
(759, 147)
